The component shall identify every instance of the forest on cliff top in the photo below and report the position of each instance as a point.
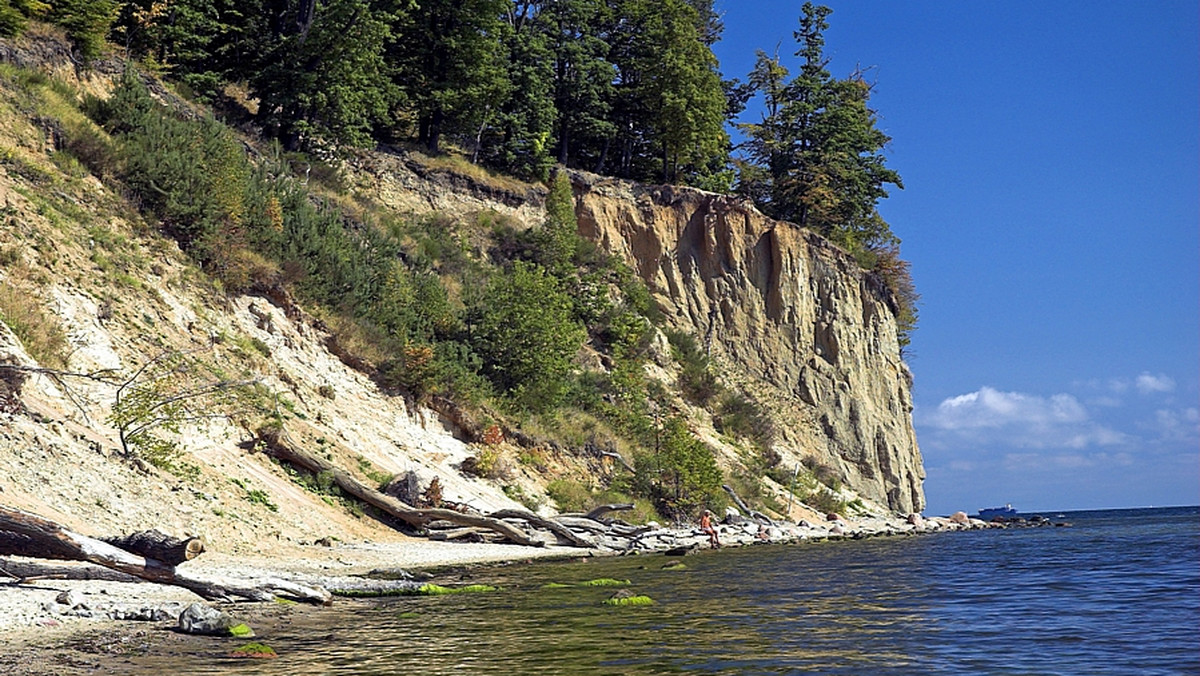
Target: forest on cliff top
(628, 88)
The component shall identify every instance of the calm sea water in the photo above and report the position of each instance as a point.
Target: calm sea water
(1117, 593)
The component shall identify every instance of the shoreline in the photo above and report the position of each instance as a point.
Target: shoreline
(80, 615)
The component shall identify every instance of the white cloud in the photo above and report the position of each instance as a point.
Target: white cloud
(1176, 425)
(1149, 384)
(989, 417)
(988, 407)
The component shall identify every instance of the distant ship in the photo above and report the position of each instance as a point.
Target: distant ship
(1005, 512)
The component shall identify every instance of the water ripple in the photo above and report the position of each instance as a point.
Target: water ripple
(1117, 594)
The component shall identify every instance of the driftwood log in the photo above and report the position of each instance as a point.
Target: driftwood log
(27, 571)
(600, 510)
(150, 544)
(582, 523)
(154, 544)
(48, 539)
(557, 528)
(757, 516)
(279, 446)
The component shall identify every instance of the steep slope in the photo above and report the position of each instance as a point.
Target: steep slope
(94, 289)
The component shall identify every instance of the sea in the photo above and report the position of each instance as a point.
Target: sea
(1115, 592)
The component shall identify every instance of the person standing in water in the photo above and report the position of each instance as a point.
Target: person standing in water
(706, 525)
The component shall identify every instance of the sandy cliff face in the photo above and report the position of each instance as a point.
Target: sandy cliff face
(788, 315)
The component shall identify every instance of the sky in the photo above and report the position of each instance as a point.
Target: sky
(1050, 153)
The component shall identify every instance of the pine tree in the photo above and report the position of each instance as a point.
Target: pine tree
(449, 60)
(818, 153)
(321, 73)
(583, 79)
(517, 139)
(672, 100)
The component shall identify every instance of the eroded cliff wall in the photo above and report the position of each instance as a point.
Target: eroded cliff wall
(789, 316)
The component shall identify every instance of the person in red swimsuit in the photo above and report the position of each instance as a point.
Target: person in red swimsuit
(707, 526)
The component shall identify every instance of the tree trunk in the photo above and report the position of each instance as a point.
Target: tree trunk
(601, 510)
(757, 516)
(280, 447)
(556, 528)
(50, 537)
(26, 571)
(154, 544)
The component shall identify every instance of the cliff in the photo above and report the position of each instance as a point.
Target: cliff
(789, 316)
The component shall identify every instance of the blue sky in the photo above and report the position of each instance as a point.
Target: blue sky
(1051, 162)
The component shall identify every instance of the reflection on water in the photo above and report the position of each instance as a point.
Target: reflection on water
(1102, 599)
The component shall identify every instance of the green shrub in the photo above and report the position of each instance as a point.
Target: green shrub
(681, 475)
(522, 329)
(825, 501)
(823, 473)
(696, 379)
(86, 22)
(12, 19)
(739, 415)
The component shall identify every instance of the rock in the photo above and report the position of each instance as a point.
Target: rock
(201, 619)
(732, 515)
(837, 530)
(960, 518)
(69, 598)
(143, 614)
(833, 517)
(916, 520)
(625, 597)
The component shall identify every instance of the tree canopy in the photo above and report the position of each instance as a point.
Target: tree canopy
(629, 88)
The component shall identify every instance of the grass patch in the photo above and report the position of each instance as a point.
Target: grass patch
(21, 308)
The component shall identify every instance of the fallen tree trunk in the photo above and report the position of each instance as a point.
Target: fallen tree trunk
(757, 516)
(556, 528)
(582, 523)
(151, 544)
(26, 571)
(50, 537)
(619, 458)
(277, 445)
(601, 510)
(154, 544)
(457, 533)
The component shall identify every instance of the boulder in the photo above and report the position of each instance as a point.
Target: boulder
(201, 619)
(916, 520)
(733, 516)
(960, 518)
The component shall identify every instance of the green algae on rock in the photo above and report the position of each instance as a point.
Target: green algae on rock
(255, 650)
(606, 582)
